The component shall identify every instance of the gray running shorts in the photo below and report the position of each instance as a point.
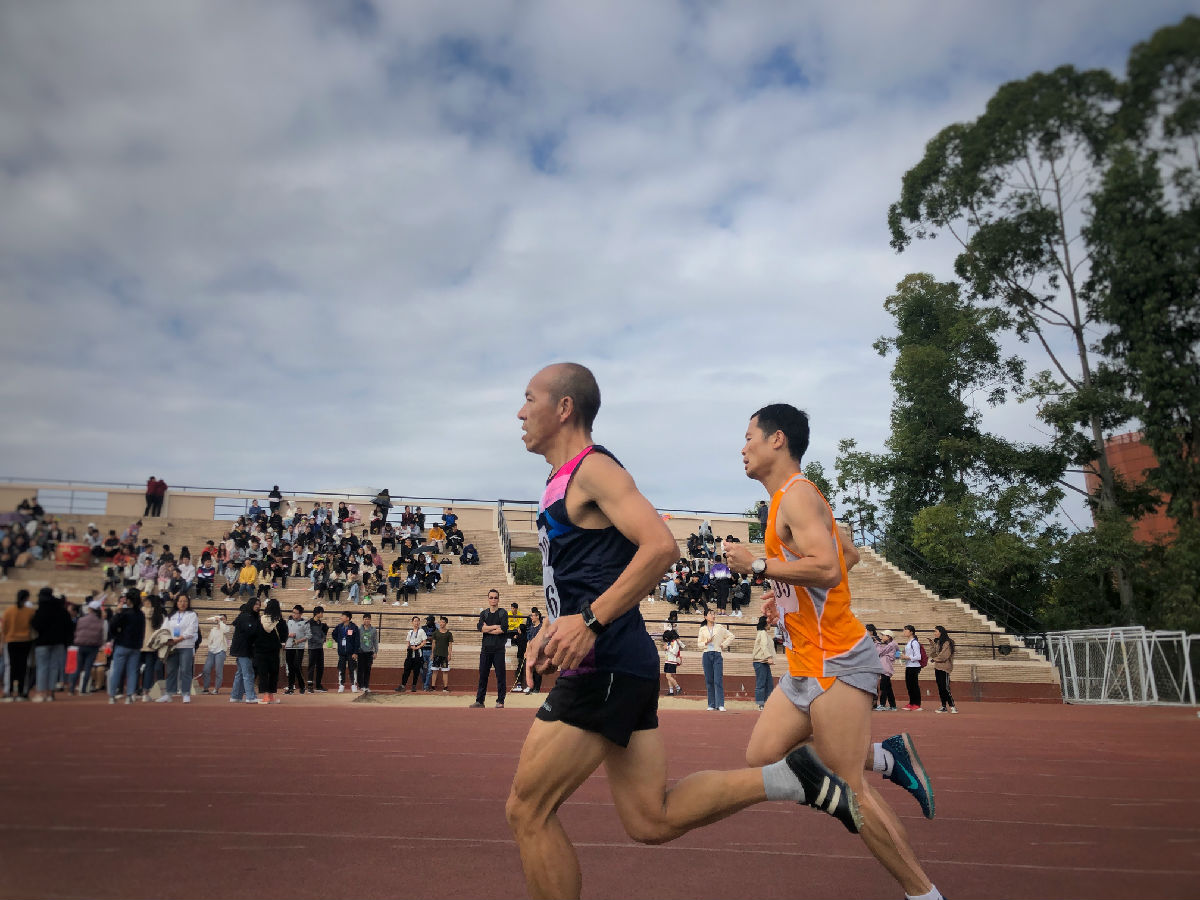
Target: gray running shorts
(803, 691)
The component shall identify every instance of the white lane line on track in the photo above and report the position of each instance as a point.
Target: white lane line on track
(613, 845)
(414, 800)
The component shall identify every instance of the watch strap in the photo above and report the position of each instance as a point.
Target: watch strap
(590, 620)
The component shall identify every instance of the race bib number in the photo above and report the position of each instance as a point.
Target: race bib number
(786, 602)
(553, 603)
(785, 597)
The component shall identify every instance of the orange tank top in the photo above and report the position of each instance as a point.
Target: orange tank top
(821, 634)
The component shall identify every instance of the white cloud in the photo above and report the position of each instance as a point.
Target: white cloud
(296, 243)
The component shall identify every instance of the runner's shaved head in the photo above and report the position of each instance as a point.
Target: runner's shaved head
(577, 382)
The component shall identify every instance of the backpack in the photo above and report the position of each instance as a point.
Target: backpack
(924, 656)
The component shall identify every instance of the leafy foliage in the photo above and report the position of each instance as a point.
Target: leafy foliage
(527, 568)
(858, 477)
(815, 472)
(1075, 201)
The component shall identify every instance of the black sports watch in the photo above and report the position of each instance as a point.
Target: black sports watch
(590, 620)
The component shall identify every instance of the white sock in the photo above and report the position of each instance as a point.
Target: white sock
(781, 782)
(883, 760)
(934, 894)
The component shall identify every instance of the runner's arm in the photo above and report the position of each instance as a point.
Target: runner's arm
(849, 551)
(804, 518)
(612, 490)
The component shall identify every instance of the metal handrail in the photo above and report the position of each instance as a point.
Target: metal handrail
(505, 539)
(1008, 615)
(8, 479)
(344, 495)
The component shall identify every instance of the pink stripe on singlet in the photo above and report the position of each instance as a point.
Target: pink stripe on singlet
(556, 487)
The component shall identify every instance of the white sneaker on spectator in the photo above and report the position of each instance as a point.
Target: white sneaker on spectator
(187, 698)
(720, 709)
(354, 688)
(406, 603)
(165, 698)
(341, 688)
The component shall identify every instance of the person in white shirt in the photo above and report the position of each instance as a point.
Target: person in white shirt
(185, 628)
(912, 668)
(711, 640)
(218, 649)
(674, 649)
(187, 572)
(413, 658)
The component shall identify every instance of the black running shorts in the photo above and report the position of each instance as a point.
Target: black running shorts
(607, 703)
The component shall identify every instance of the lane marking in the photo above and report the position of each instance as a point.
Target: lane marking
(606, 845)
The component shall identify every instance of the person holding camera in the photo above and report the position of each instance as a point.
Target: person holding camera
(941, 654)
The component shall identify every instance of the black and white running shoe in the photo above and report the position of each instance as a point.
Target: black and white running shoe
(824, 790)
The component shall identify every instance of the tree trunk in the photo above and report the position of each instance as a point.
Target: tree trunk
(1108, 505)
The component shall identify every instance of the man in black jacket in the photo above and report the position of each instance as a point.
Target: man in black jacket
(128, 630)
(54, 630)
(317, 630)
(246, 628)
(493, 624)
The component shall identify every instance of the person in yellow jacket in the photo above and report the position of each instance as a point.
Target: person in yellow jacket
(437, 535)
(247, 578)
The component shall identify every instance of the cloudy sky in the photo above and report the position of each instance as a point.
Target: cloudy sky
(325, 244)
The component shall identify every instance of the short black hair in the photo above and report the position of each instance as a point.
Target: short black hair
(791, 421)
(577, 382)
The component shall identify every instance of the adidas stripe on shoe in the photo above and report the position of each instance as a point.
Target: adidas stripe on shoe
(823, 789)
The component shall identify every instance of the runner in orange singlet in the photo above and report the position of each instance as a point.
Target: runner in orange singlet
(829, 690)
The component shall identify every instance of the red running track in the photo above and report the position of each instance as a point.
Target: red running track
(364, 800)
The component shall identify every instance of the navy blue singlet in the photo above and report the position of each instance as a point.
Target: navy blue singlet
(580, 564)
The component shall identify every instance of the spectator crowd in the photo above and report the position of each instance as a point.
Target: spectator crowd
(139, 629)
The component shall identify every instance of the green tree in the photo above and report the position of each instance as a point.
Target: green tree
(815, 472)
(976, 508)
(945, 358)
(1144, 289)
(753, 526)
(1011, 188)
(1145, 238)
(527, 568)
(858, 476)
